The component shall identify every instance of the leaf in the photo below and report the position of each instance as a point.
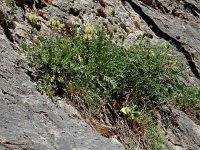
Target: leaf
(130, 112)
(136, 113)
(109, 80)
(126, 111)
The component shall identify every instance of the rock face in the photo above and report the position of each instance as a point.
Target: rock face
(30, 120)
(181, 133)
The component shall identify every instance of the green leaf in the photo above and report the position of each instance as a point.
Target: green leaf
(126, 111)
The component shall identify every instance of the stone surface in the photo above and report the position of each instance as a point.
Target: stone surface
(180, 132)
(29, 120)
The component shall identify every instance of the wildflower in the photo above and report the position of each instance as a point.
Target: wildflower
(89, 31)
(150, 53)
(172, 63)
(32, 18)
(52, 22)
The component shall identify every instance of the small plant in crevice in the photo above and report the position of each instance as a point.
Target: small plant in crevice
(12, 5)
(155, 138)
(64, 28)
(56, 24)
(187, 99)
(113, 12)
(33, 19)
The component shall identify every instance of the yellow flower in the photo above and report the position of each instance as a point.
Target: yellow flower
(52, 22)
(172, 63)
(89, 29)
(32, 18)
(61, 26)
(56, 24)
(151, 53)
(87, 36)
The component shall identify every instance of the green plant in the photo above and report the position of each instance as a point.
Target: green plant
(90, 62)
(11, 4)
(79, 62)
(130, 112)
(154, 71)
(113, 12)
(56, 24)
(32, 31)
(33, 18)
(155, 138)
(188, 97)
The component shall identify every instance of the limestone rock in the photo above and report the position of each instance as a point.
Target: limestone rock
(180, 132)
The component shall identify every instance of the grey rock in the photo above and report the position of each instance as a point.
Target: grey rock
(181, 133)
